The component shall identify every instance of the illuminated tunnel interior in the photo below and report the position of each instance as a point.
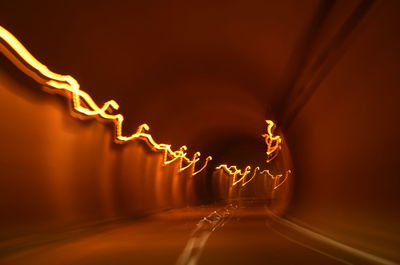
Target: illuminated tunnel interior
(199, 132)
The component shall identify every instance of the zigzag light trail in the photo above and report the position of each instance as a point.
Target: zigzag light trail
(84, 104)
(274, 145)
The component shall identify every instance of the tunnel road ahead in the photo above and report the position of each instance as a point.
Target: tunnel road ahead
(203, 235)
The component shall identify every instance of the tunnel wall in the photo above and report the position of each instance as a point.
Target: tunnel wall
(345, 143)
(58, 171)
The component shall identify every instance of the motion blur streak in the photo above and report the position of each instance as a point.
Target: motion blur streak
(199, 236)
(273, 142)
(277, 178)
(274, 145)
(84, 104)
(205, 74)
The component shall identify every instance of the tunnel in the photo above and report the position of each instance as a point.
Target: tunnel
(199, 132)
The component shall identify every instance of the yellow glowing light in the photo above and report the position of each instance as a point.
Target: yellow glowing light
(84, 104)
(273, 147)
(235, 173)
(273, 142)
(247, 170)
(276, 178)
(251, 178)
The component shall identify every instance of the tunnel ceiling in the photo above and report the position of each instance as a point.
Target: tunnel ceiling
(197, 73)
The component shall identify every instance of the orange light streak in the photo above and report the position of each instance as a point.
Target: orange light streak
(252, 177)
(84, 104)
(277, 177)
(274, 143)
(247, 170)
(234, 172)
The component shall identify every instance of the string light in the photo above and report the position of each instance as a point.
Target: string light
(85, 105)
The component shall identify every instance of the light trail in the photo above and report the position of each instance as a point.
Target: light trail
(251, 178)
(277, 178)
(84, 104)
(273, 142)
(274, 145)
